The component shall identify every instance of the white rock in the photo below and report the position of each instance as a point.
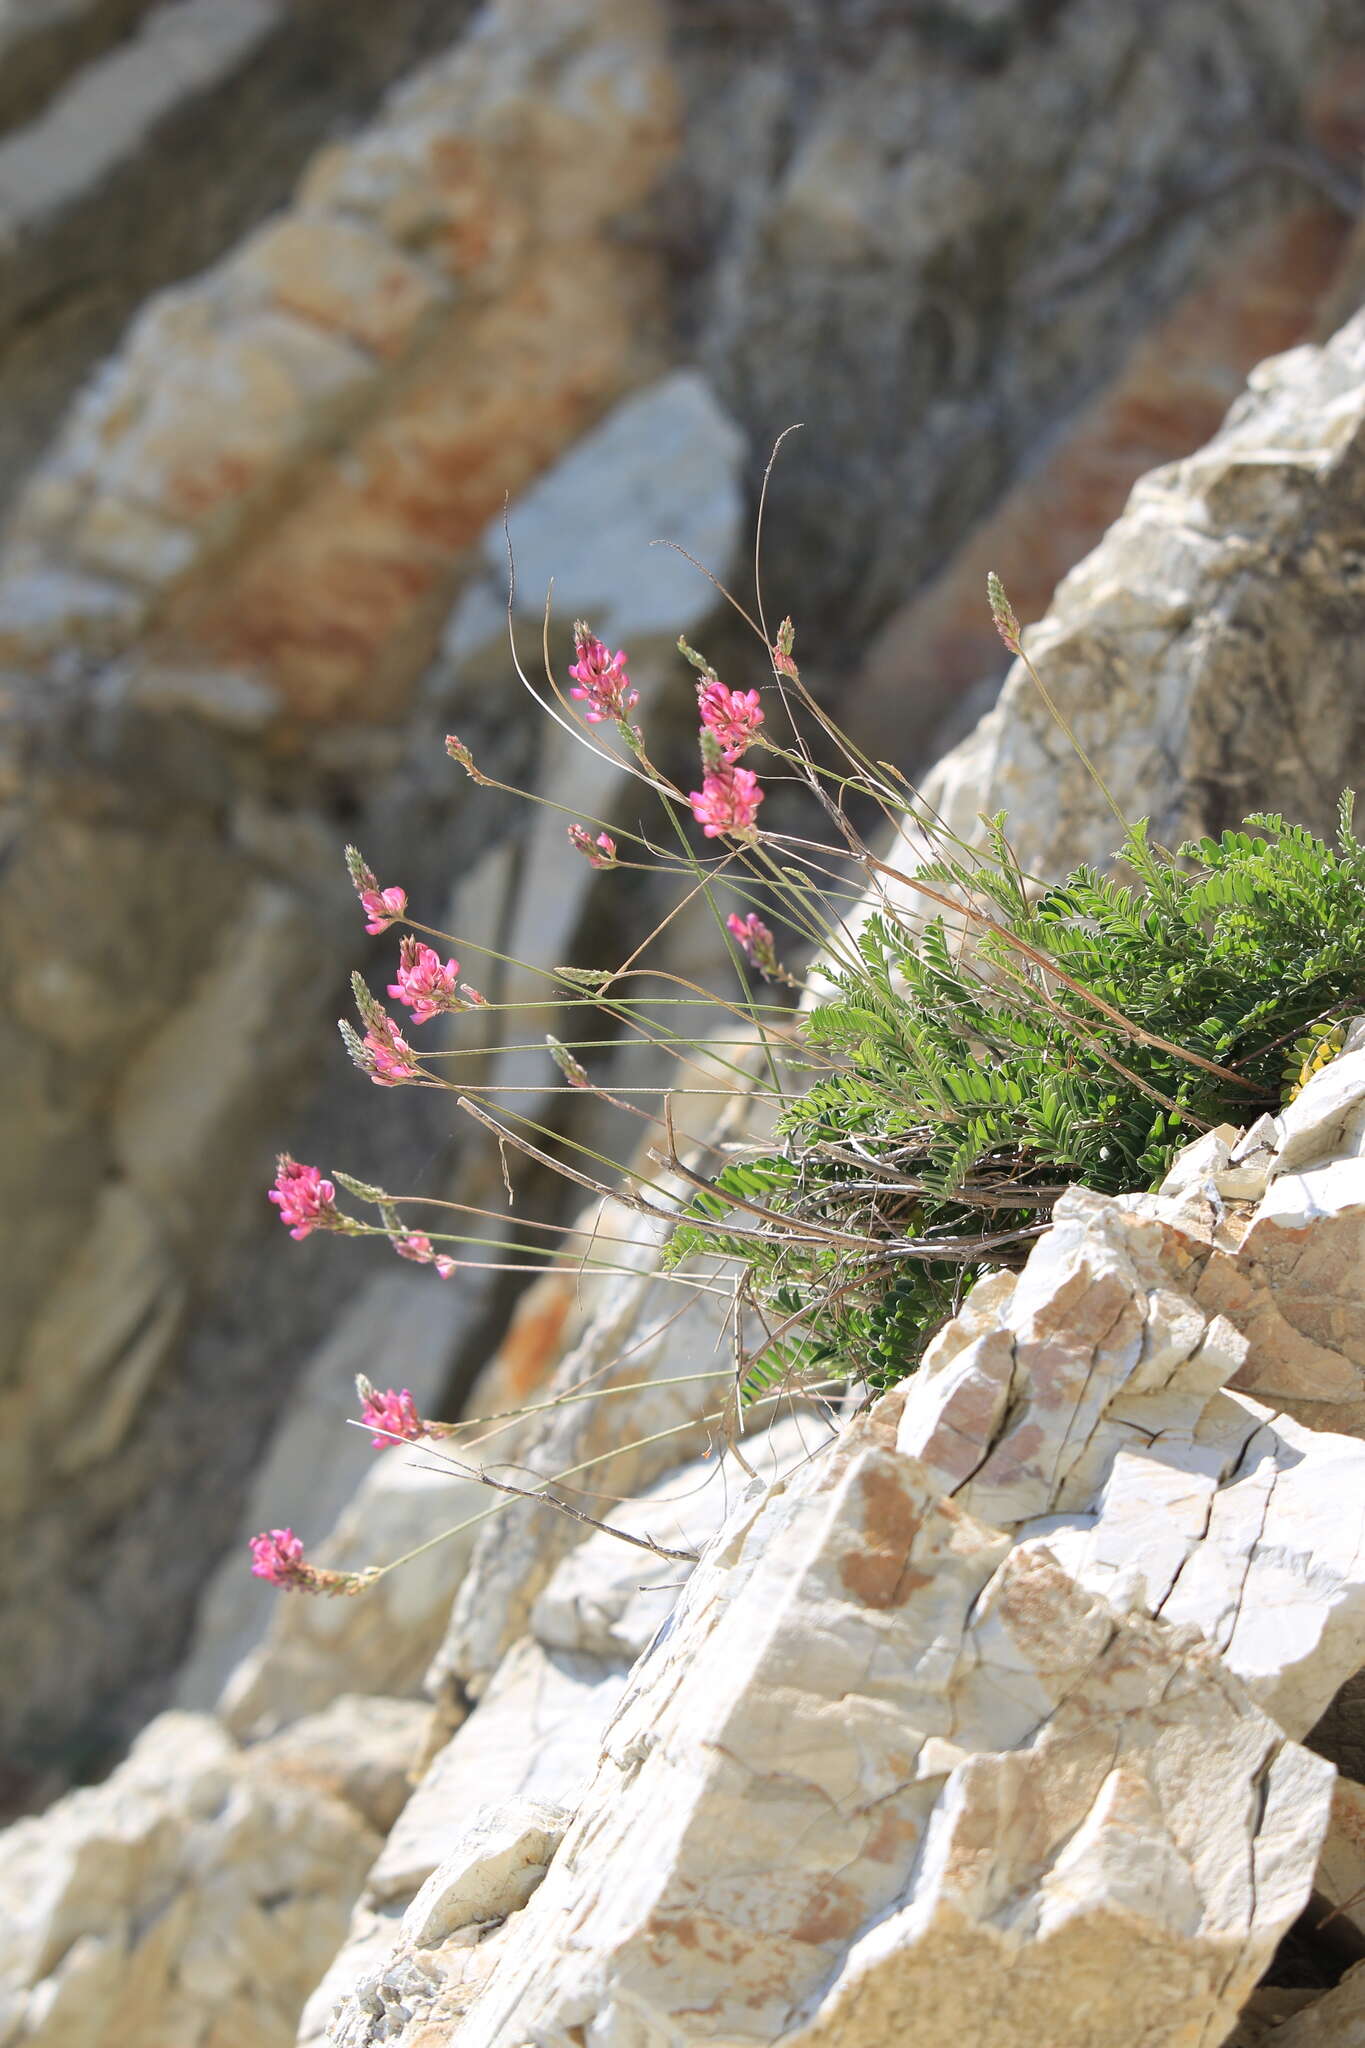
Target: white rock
(193, 1897)
(884, 1761)
(1087, 1413)
(504, 1853)
(525, 1758)
(609, 1600)
(1296, 1287)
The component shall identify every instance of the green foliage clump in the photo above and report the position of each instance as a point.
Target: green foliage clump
(966, 1073)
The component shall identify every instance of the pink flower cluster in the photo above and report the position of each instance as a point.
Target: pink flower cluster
(729, 797)
(392, 1059)
(727, 801)
(425, 984)
(599, 852)
(418, 1247)
(381, 907)
(394, 1414)
(732, 717)
(603, 685)
(277, 1555)
(305, 1200)
(754, 939)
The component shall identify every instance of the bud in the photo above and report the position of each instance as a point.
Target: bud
(599, 852)
(1006, 624)
(363, 876)
(459, 752)
(573, 1071)
(698, 661)
(372, 1013)
(782, 651)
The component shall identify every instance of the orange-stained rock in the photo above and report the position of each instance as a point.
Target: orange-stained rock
(340, 601)
(1171, 395)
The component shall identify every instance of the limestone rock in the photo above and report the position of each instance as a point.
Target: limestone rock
(395, 336)
(992, 1776)
(362, 1749)
(530, 1749)
(1335, 2020)
(1305, 1249)
(195, 1896)
(1249, 538)
(607, 1600)
(1082, 1406)
(638, 1340)
(462, 231)
(1340, 1880)
(536, 1734)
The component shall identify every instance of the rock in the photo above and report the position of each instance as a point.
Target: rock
(218, 621)
(362, 1750)
(195, 1896)
(1263, 2012)
(444, 1936)
(1250, 538)
(992, 1776)
(1304, 1247)
(1340, 1880)
(636, 1340)
(608, 1600)
(935, 665)
(529, 1751)
(463, 230)
(111, 103)
(997, 231)
(504, 1854)
(1083, 1407)
(536, 1734)
(1335, 2020)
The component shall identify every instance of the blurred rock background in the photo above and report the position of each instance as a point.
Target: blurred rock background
(294, 294)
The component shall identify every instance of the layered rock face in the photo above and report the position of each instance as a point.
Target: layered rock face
(595, 257)
(995, 258)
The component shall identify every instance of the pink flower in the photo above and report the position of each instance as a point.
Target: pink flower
(731, 716)
(424, 984)
(305, 1200)
(603, 683)
(754, 939)
(417, 1246)
(395, 1414)
(278, 1556)
(599, 852)
(727, 801)
(392, 1059)
(381, 907)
